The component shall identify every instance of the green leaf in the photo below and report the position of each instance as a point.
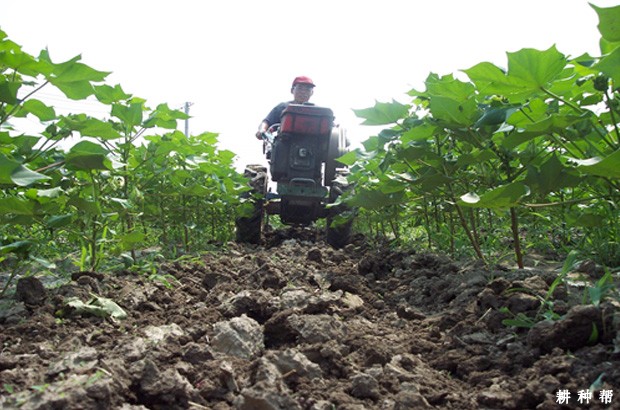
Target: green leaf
(604, 167)
(601, 289)
(43, 262)
(12, 172)
(459, 113)
(608, 46)
(451, 100)
(130, 115)
(19, 247)
(419, 133)
(383, 113)
(209, 138)
(164, 117)
(432, 180)
(518, 320)
(88, 147)
(8, 388)
(348, 159)
(416, 152)
(586, 219)
(40, 110)
(594, 334)
(87, 155)
(609, 22)
(91, 127)
(528, 71)
(490, 79)
(495, 116)
(58, 221)
(555, 123)
(108, 95)
(372, 144)
(86, 206)
(502, 197)
(550, 177)
(600, 380)
(41, 388)
(12, 56)
(24, 144)
(74, 79)
(610, 66)
(22, 176)
(395, 184)
(475, 157)
(375, 199)
(5, 138)
(131, 240)
(449, 87)
(17, 206)
(535, 110)
(226, 156)
(536, 68)
(8, 91)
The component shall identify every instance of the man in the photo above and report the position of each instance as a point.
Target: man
(302, 89)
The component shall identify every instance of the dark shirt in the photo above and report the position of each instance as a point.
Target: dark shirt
(274, 115)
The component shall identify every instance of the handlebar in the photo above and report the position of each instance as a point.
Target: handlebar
(271, 133)
(267, 136)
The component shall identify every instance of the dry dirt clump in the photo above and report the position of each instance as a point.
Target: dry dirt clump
(296, 324)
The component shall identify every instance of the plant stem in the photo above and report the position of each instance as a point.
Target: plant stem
(93, 239)
(562, 203)
(12, 276)
(471, 238)
(463, 220)
(452, 234)
(514, 223)
(613, 117)
(427, 224)
(568, 103)
(17, 106)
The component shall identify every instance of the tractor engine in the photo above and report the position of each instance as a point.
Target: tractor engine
(297, 157)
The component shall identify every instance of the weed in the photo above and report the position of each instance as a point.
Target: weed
(602, 289)
(40, 388)
(94, 378)
(546, 309)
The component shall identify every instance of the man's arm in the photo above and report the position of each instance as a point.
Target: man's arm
(272, 118)
(263, 127)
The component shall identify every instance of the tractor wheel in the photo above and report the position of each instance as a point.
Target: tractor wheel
(249, 227)
(337, 146)
(340, 218)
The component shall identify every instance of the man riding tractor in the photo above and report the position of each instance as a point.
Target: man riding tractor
(302, 145)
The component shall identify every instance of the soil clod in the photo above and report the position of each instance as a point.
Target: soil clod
(297, 324)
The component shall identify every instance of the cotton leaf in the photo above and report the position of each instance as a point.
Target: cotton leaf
(383, 113)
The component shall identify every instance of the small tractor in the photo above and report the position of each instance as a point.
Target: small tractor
(302, 151)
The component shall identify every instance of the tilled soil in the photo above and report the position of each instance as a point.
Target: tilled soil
(295, 324)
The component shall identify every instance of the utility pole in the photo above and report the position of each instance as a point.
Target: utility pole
(187, 105)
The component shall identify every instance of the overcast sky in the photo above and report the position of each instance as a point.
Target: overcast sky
(235, 59)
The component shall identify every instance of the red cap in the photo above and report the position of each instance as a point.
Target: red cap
(303, 80)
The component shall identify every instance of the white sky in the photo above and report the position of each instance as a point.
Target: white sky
(235, 59)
